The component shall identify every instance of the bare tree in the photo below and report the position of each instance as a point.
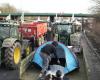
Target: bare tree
(7, 8)
(96, 9)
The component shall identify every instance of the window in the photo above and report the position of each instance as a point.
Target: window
(13, 32)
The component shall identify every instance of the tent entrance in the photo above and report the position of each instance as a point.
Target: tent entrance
(61, 56)
(55, 61)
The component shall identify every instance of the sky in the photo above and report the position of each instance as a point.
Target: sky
(51, 6)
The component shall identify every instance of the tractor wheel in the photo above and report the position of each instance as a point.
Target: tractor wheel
(28, 50)
(13, 56)
(42, 39)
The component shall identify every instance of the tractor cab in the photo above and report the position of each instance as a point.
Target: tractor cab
(63, 30)
(8, 30)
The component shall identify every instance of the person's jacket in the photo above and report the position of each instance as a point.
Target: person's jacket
(49, 49)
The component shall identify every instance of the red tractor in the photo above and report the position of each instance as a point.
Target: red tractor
(37, 30)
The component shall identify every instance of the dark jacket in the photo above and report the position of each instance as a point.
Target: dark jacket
(49, 49)
(50, 35)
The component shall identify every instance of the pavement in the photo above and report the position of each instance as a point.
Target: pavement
(92, 62)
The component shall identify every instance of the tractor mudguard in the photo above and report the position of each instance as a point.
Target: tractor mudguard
(8, 42)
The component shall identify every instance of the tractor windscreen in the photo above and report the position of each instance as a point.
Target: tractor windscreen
(65, 27)
(4, 30)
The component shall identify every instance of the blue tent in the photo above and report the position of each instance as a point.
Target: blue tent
(71, 62)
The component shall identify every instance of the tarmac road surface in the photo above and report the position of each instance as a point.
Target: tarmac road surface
(6, 74)
(32, 73)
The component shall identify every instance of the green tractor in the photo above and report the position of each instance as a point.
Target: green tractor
(12, 47)
(63, 30)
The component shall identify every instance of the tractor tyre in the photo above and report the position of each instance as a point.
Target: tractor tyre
(13, 56)
(42, 39)
(27, 51)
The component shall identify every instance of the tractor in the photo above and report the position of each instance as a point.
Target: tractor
(75, 38)
(63, 31)
(12, 46)
(69, 33)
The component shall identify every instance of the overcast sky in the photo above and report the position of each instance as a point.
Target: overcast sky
(53, 6)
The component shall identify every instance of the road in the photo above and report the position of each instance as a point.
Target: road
(6, 74)
(81, 73)
(32, 72)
